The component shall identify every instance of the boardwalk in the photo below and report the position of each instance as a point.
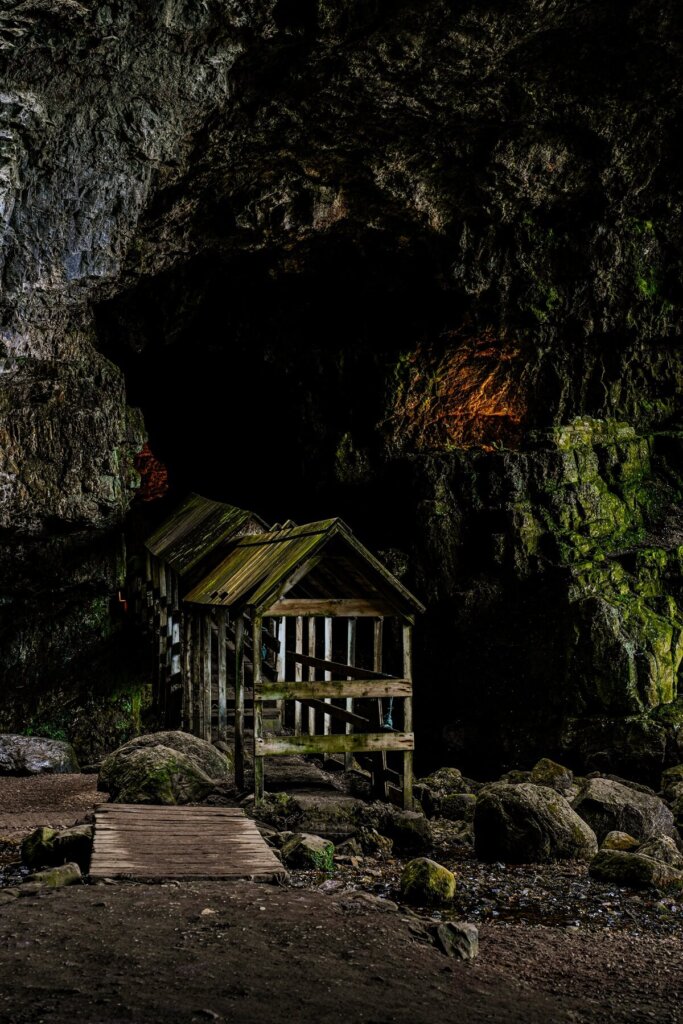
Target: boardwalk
(142, 841)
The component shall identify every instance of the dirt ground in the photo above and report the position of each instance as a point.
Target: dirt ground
(243, 952)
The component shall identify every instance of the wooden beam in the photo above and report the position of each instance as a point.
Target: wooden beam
(197, 707)
(298, 672)
(336, 689)
(334, 606)
(207, 637)
(380, 775)
(351, 632)
(352, 671)
(258, 711)
(187, 670)
(222, 665)
(311, 669)
(239, 702)
(339, 714)
(327, 721)
(339, 744)
(408, 718)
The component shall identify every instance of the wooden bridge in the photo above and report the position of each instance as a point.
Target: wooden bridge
(143, 842)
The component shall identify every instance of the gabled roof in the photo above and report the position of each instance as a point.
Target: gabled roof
(198, 528)
(259, 568)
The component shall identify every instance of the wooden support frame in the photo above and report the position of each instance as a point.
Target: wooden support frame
(258, 711)
(266, 746)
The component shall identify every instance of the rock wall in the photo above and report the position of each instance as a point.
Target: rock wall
(425, 262)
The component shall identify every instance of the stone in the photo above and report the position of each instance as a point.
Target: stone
(663, 849)
(425, 881)
(677, 811)
(619, 841)
(213, 763)
(74, 845)
(373, 843)
(529, 824)
(309, 852)
(409, 831)
(155, 775)
(458, 806)
(349, 848)
(457, 939)
(516, 777)
(37, 849)
(54, 878)
(353, 900)
(672, 778)
(633, 870)
(609, 806)
(431, 790)
(31, 755)
(549, 773)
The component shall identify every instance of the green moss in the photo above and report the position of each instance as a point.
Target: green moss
(426, 882)
(647, 284)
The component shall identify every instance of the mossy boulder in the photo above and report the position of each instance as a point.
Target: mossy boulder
(37, 849)
(432, 790)
(549, 773)
(155, 775)
(74, 845)
(53, 878)
(529, 824)
(663, 849)
(619, 841)
(409, 831)
(425, 881)
(32, 755)
(458, 806)
(633, 870)
(309, 852)
(204, 756)
(609, 806)
(672, 782)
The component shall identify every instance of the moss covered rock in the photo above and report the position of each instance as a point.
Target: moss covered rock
(549, 773)
(409, 831)
(619, 867)
(54, 878)
(425, 881)
(663, 849)
(432, 789)
(74, 845)
(619, 841)
(32, 755)
(527, 824)
(309, 852)
(210, 761)
(610, 806)
(155, 775)
(672, 779)
(37, 849)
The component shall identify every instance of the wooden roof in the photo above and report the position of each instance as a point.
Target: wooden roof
(261, 568)
(198, 528)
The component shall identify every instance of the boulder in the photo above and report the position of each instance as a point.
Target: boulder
(677, 811)
(373, 843)
(458, 806)
(633, 870)
(155, 775)
(525, 824)
(663, 849)
(609, 806)
(619, 841)
(425, 881)
(431, 790)
(516, 777)
(211, 762)
(37, 850)
(74, 845)
(458, 939)
(549, 773)
(54, 878)
(409, 831)
(310, 852)
(31, 755)
(672, 779)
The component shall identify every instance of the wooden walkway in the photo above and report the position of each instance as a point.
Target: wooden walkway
(143, 841)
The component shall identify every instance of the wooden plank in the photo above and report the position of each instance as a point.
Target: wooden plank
(311, 669)
(336, 688)
(327, 719)
(408, 718)
(197, 706)
(222, 668)
(371, 741)
(258, 711)
(298, 672)
(239, 702)
(351, 634)
(338, 714)
(336, 607)
(380, 774)
(207, 641)
(350, 671)
(187, 672)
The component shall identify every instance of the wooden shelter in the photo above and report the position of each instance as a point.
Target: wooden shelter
(303, 620)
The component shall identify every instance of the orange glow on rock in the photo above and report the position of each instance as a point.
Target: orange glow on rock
(154, 483)
(466, 396)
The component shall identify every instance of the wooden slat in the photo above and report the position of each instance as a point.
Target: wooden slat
(380, 772)
(258, 711)
(336, 607)
(327, 720)
(222, 656)
(311, 669)
(336, 689)
(351, 671)
(358, 741)
(408, 718)
(351, 634)
(298, 672)
(239, 702)
(338, 714)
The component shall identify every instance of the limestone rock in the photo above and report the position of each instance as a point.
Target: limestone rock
(307, 851)
(609, 806)
(155, 775)
(74, 845)
(432, 789)
(54, 878)
(663, 849)
(619, 841)
(526, 824)
(425, 881)
(37, 849)
(634, 870)
(549, 773)
(30, 755)
(458, 939)
(210, 761)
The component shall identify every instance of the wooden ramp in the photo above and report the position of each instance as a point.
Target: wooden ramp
(143, 841)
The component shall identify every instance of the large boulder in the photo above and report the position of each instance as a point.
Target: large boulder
(31, 755)
(633, 870)
(156, 775)
(549, 773)
(213, 763)
(609, 806)
(524, 823)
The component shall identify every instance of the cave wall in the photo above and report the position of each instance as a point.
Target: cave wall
(425, 261)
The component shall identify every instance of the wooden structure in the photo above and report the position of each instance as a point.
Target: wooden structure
(303, 622)
(140, 841)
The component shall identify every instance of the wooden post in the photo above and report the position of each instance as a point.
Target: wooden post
(155, 634)
(311, 672)
(148, 610)
(176, 673)
(188, 666)
(380, 782)
(258, 709)
(327, 721)
(239, 702)
(298, 671)
(282, 663)
(167, 656)
(207, 637)
(351, 660)
(221, 620)
(197, 705)
(408, 718)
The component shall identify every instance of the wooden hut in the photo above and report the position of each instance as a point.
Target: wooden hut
(304, 621)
